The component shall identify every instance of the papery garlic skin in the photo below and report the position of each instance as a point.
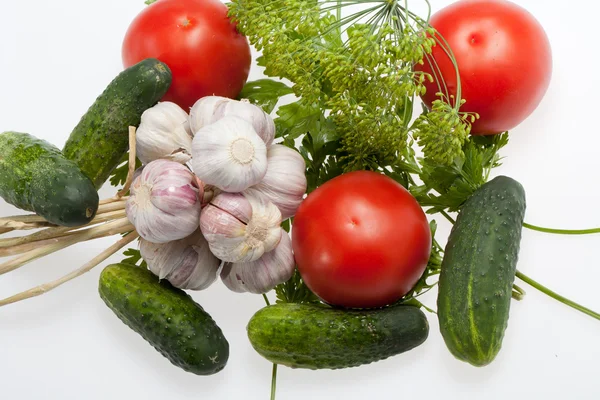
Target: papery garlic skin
(187, 263)
(165, 202)
(210, 109)
(229, 154)
(240, 227)
(164, 133)
(262, 275)
(285, 182)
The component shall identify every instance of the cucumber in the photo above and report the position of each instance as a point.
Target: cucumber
(35, 176)
(165, 317)
(101, 138)
(320, 337)
(478, 271)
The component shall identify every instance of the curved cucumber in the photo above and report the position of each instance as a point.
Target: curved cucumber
(166, 317)
(319, 337)
(478, 271)
(35, 176)
(99, 141)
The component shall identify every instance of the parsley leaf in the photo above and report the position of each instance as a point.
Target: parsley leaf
(119, 175)
(265, 93)
(295, 291)
(134, 257)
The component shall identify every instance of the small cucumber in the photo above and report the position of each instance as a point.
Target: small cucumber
(320, 337)
(165, 317)
(35, 176)
(99, 141)
(478, 271)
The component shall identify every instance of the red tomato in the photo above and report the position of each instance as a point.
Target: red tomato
(361, 240)
(504, 59)
(196, 39)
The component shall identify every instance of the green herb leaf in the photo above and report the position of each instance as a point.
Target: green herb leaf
(119, 175)
(295, 291)
(134, 257)
(265, 93)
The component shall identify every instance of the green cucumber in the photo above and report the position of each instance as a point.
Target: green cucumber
(320, 337)
(165, 317)
(101, 138)
(35, 176)
(478, 271)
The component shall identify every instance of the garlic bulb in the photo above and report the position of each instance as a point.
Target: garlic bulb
(229, 155)
(210, 109)
(264, 274)
(164, 132)
(187, 263)
(284, 183)
(165, 202)
(240, 227)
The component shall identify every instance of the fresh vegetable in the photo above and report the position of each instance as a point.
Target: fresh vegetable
(478, 271)
(165, 202)
(35, 176)
(164, 133)
(504, 58)
(284, 184)
(240, 227)
(361, 240)
(264, 274)
(210, 109)
(195, 38)
(319, 337)
(229, 154)
(187, 263)
(100, 140)
(166, 317)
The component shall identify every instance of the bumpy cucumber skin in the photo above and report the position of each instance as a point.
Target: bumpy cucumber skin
(165, 317)
(319, 337)
(478, 271)
(101, 138)
(35, 176)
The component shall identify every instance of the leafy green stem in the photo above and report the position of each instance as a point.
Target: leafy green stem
(448, 217)
(556, 296)
(266, 299)
(561, 231)
(273, 381)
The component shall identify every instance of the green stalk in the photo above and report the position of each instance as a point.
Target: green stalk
(561, 231)
(556, 296)
(273, 381)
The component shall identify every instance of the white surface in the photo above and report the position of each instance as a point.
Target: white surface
(57, 56)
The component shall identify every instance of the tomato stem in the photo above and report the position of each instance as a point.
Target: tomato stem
(561, 231)
(556, 296)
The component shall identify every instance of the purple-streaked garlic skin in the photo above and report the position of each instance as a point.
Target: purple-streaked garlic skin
(285, 182)
(240, 227)
(262, 275)
(187, 263)
(165, 202)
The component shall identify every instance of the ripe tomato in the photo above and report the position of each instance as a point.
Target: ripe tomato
(196, 39)
(504, 58)
(361, 240)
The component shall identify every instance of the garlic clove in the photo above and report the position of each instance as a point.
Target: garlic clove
(229, 155)
(206, 111)
(210, 109)
(164, 133)
(165, 202)
(285, 182)
(231, 239)
(264, 274)
(186, 263)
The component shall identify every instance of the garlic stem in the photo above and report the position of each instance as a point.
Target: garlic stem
(110, 228)
(112, 200)
(6, 230)
(38, 290)
(114, 206)
(54, 232)
(131, 169)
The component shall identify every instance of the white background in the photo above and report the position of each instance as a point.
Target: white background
(57, 56)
